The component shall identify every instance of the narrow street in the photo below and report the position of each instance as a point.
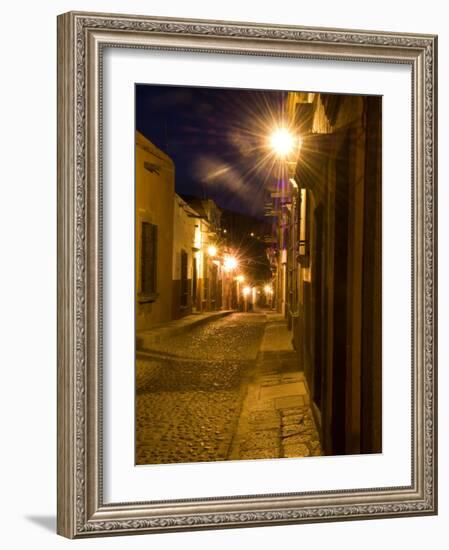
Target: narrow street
(258, 274)
(226, 390)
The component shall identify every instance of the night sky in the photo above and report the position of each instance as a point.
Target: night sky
(217, 139)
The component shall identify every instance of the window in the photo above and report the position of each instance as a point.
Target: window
(148, 261)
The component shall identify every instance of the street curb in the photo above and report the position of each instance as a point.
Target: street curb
(163, 333)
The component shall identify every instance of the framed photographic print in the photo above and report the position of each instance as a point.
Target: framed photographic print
(246, 274)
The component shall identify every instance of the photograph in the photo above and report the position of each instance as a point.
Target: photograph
(258, 274)
(247, 282)
(224, 230)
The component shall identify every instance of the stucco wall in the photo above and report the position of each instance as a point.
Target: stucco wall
(183, 240)
(155, 188)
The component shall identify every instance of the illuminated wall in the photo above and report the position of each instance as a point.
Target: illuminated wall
(155, 187)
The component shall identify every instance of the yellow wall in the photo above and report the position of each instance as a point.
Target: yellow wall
(183, 239)
(155, 188)
(183, 235)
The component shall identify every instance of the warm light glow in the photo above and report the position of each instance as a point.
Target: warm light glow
(212, 251)
(197, 237)
(293, 182)
(282, 141)
(230, 263)
(252, 234)
(246, 291)
(268, 289)
(240, 278)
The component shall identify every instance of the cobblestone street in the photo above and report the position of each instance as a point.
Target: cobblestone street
(219, 392)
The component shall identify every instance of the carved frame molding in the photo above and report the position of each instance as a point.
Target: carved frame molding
(81, 40)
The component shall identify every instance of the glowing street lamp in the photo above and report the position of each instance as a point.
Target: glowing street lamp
(240, 278)
(282, 141)
(230, 263)
(268, 289)
(212, 251)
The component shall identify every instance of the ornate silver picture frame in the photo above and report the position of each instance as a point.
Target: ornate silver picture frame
(82, 509)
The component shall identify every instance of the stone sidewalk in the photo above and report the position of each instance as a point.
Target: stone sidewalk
(276, 420)
(163, 331)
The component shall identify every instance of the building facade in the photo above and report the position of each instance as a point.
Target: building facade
(179, 262)
(154, 203)
(327, 262)
(207, 256)
(197, 273)
(183, 258)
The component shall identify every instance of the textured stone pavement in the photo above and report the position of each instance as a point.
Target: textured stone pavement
(190, 390)
(276, 419)
(227, 390)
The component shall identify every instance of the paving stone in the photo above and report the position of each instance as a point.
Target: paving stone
(257, 426)
(284, 391)
(302, 438)
(292, 378)
(253, 454)
(265, 405)
(289, 402)
(286, 411)
(307, 424)
(263, 416)
(269, 381)
(297, 439)
(292, 419)
(260, 440)
(296, 450)
(290, 430)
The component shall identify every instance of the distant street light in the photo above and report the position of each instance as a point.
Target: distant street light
(282, 141)
(246, 291)
(240, 278)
